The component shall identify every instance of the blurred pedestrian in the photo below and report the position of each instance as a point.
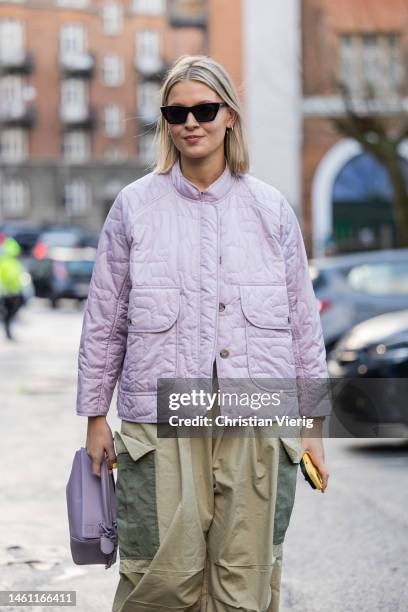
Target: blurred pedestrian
(11, 288)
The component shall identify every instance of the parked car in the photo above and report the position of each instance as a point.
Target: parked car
(356, 287)
(58, 237)
(63, 272)
(371, 363)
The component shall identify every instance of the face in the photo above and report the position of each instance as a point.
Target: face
(210, 134)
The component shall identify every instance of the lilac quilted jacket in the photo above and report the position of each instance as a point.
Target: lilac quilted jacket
(184, 277)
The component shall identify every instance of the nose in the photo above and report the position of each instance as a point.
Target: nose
(191, 121)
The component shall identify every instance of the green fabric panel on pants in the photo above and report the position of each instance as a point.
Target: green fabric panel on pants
(138, 528)
(285, 496)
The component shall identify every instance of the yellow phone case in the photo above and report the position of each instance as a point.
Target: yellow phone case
(312, 471)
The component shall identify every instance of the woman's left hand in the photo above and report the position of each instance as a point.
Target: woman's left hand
(314, 446)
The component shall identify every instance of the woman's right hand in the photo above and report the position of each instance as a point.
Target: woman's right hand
(99, 443)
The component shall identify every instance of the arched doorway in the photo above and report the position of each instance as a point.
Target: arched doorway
(363, 215)
(347, 178)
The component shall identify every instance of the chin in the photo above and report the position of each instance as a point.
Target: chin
(195, 154)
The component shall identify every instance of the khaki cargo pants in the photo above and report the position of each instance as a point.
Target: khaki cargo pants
(202, 520)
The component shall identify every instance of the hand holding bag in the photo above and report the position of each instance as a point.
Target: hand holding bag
(91, 504)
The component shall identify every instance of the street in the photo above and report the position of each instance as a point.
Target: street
(346, 550)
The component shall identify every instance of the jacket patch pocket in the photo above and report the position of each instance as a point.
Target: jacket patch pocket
(268, 331)
(138, 529)
(286, 487)
(151, 350)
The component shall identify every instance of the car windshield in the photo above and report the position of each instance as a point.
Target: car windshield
(66, 239)
(388, 278)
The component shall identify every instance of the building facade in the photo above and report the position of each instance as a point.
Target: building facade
(79, 84)
(346, 192)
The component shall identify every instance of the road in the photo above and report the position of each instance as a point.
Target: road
(345, 551)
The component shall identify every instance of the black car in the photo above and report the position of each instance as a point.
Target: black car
(370, 365)
(63, 272)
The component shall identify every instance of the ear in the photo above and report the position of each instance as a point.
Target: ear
(232, 117)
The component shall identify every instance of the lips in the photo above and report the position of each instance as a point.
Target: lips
(192, 138)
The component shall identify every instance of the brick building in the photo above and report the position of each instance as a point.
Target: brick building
(78, 92)
(79, 82)
(346, 193)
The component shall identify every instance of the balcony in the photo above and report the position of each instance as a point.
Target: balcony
(153, 67)
(16, 63)
(20, 115)
(187, 13)
(78, 117)
(77, 64)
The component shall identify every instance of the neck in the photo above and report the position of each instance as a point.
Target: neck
(202, 172)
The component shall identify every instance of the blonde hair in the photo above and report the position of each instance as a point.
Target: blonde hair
(205, 70)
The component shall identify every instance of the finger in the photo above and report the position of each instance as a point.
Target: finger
(319, 463)
(111, 457)
(96, 467)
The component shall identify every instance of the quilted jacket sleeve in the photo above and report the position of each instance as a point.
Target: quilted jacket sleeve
(309, 348)
(104, 329)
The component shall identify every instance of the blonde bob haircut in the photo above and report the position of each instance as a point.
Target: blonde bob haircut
(205, 70)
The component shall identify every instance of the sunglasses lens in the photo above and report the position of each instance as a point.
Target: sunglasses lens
(175, 114)
(202, 112)
(206, 112)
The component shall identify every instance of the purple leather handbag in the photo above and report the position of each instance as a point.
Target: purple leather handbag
(91, 503)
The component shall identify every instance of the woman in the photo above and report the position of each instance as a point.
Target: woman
(201, 271)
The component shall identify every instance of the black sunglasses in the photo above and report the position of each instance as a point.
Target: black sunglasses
(202, 112)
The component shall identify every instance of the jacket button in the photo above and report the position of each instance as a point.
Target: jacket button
(129, 321)
(224, 353)
(221, 307)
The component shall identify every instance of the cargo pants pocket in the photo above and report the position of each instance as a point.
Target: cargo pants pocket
(138, 529)
(289, 458)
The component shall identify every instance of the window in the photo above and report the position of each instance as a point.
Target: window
(147, 44)
(147, 147)
(77, 197)
(113, 121)
(73, 3)
(191, 13)
(371, 64)
(74, 94)
(112, 70)
(148, 97)
(11, 41)
(380, 278)
(148, 60)
(149, 7)
(112, 18)
(13, 145)
(74, 100)
(15, 197)
(72, 39)
(11, 96)
(76, 146)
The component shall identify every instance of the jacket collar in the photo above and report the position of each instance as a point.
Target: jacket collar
(215, 191)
